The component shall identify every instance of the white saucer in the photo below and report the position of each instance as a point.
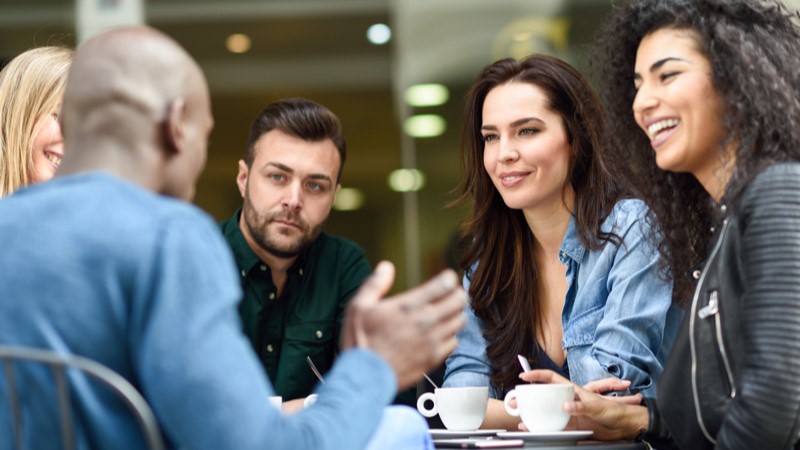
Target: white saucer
(551, 437)
(440, 433)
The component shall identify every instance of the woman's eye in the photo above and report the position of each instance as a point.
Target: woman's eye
(667, 75)
(529, 131)
(489, 137)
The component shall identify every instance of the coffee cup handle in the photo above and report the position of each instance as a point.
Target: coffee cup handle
(421, 405)
(512, 394)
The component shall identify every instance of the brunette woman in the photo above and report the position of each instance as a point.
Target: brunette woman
(559, 265)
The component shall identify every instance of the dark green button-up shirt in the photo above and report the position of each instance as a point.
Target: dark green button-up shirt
(306, 319)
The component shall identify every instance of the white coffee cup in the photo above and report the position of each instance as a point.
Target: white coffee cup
(276, 401)
(460, 408)
(540, 405)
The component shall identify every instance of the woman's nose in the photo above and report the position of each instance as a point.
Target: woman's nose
(508, 150)
(644, 100)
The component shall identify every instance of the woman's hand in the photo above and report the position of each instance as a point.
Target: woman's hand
(608, 417)
(612, 385)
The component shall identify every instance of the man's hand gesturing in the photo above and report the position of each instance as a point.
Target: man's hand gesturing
(413, 331)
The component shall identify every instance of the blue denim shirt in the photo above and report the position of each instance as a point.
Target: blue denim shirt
(618, 318)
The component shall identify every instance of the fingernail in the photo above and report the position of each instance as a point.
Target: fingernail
(568, 407)
(448, 280)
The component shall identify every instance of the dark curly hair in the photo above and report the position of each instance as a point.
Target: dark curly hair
(504, 290)
(753, 47)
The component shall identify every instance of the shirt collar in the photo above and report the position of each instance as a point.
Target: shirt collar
(571, 246)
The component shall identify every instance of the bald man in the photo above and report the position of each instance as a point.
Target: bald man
(105, 263)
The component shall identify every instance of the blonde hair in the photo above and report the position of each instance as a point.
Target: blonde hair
(31, 87)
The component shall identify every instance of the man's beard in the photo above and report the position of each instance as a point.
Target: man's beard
(257, 224)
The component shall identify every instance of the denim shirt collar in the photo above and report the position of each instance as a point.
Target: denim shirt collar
(571, 245)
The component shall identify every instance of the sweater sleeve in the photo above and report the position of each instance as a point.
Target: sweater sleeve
(764, 413)
(201, 377)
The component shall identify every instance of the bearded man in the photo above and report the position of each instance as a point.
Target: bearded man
(296, 278)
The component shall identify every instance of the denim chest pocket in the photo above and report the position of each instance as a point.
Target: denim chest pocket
(580, 329)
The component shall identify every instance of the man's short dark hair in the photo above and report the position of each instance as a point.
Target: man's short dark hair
(299, 117)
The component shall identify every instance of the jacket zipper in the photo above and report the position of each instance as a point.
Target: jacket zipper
(705, 311)
(711, 310)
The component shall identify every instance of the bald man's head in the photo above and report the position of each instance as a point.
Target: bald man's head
(135, 93)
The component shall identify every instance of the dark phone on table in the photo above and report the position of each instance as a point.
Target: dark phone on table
(478, 443)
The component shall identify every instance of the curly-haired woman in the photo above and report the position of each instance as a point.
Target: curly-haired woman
(714, 91)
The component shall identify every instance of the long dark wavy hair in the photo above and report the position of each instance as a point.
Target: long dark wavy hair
(754, 51)
(504, 287)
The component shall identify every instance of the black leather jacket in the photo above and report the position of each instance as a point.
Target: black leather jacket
(733, 379)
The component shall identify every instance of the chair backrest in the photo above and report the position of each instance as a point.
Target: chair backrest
(59, 364)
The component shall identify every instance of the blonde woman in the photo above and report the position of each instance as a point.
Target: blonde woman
(31, 89)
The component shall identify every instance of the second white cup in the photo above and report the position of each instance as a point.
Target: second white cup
(540, 405)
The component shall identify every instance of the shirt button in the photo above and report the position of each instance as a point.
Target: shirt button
(696, 274)
(272, 296)
(269, 348)
(713, 229)
(263, 268)
(319, 334)
(723, 208)
(244, 273)
(301, 272)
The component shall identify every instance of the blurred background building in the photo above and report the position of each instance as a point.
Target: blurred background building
(365, 60)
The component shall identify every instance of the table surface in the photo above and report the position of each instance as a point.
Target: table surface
(591, 445)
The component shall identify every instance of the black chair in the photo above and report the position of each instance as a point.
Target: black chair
(60, 364)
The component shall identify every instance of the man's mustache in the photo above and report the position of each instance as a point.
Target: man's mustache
(288, 217)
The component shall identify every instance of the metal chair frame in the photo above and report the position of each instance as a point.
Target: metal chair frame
(59, 365)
